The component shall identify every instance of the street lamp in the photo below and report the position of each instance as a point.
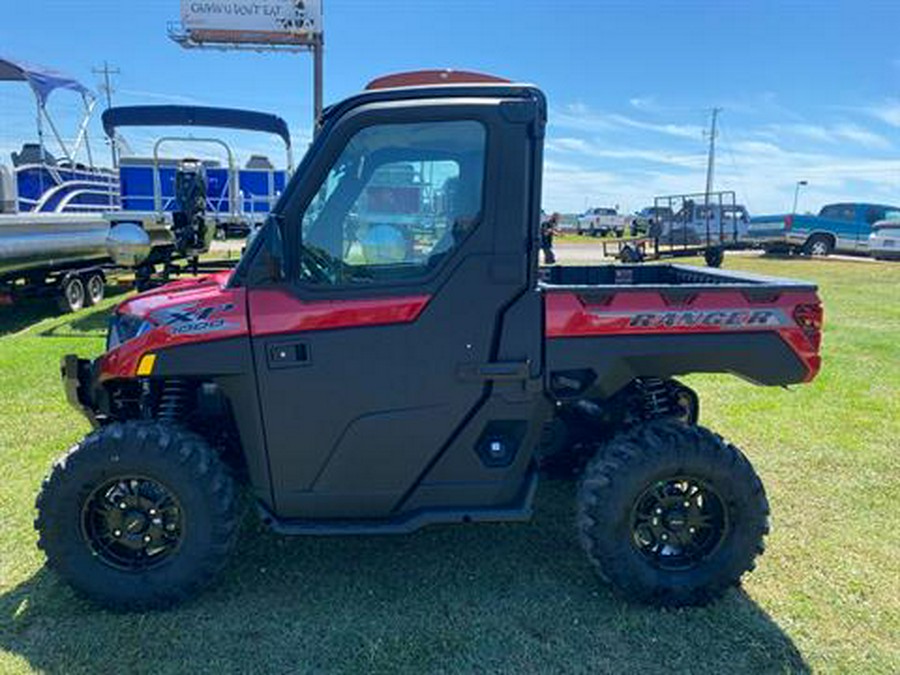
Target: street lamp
(796, 194)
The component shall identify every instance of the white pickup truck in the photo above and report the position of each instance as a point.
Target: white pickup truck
(600, 221)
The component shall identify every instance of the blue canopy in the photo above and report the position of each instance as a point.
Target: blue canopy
(187, 115)
(41, 80)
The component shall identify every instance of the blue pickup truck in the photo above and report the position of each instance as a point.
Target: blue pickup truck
(842, 228)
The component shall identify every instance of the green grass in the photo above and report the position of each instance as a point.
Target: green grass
(507, 598)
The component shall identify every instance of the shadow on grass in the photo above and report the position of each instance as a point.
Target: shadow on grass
(25, 313)
(496, 598)
(21, 315)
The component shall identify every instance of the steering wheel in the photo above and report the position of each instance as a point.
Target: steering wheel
(318, 266)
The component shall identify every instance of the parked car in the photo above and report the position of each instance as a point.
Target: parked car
(884, 241)
(601, 221)
(843, 227)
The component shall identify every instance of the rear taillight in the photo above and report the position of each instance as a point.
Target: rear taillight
(809, 318)
(788, 223)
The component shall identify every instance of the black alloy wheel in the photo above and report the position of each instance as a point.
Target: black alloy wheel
(132, 523)
(678, 523)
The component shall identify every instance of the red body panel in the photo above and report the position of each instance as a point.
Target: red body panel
(568, 314)
(204, 310)
(183, 313)
(275, 311)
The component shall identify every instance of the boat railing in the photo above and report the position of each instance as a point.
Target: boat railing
(68, 189)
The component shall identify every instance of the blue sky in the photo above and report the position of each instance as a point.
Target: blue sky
(809, 90)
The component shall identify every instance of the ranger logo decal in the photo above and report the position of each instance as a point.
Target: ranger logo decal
(730, 319)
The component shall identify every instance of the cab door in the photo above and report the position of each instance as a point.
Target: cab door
(407, 236)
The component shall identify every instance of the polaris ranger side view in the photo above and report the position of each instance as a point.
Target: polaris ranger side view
(388, 355)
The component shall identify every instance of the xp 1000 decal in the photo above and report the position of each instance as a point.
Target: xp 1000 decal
(193, 320)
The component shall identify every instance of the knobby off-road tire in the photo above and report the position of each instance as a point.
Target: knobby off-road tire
(137, 516)
(671, 515)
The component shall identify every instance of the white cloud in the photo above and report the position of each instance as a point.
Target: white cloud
(763, 174)
(888, 112)
(579, 117)
(833, 134)
(644, 103)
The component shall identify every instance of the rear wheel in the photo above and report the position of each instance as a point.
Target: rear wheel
(138, 515)
(671, 514)
(818, 245)
(96, 288)
(72, 295)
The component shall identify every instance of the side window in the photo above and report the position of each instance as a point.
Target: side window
(874, 214)
(396, 203)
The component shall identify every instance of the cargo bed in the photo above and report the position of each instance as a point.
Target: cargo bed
(652, 320)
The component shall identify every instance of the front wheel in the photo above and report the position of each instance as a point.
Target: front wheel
(137, 516)
(671, 514)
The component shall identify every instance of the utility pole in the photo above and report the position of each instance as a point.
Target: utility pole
(107, 89)
(710, 167)
(711, 162)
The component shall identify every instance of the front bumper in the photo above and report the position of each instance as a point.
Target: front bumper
(77, 381)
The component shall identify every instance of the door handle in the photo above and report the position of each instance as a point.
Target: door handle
(287, 355)
(499, 371)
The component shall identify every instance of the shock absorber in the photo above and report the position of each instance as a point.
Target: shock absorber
(173, 400)
(657, 402)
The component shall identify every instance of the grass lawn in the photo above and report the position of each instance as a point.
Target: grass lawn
(507, 598)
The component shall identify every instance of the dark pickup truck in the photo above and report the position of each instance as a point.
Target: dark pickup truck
(376, 364)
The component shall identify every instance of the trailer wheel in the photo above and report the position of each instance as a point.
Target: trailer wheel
(96, 288)
(671, 514)
(72, 295)
(714, 256)
(629, 254)
(139, 515)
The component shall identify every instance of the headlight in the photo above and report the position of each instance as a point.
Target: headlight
(124, 327)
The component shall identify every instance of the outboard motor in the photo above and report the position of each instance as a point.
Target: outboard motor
(189, 222)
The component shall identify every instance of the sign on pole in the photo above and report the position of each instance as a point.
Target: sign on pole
(259, 25)
(265, 22)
